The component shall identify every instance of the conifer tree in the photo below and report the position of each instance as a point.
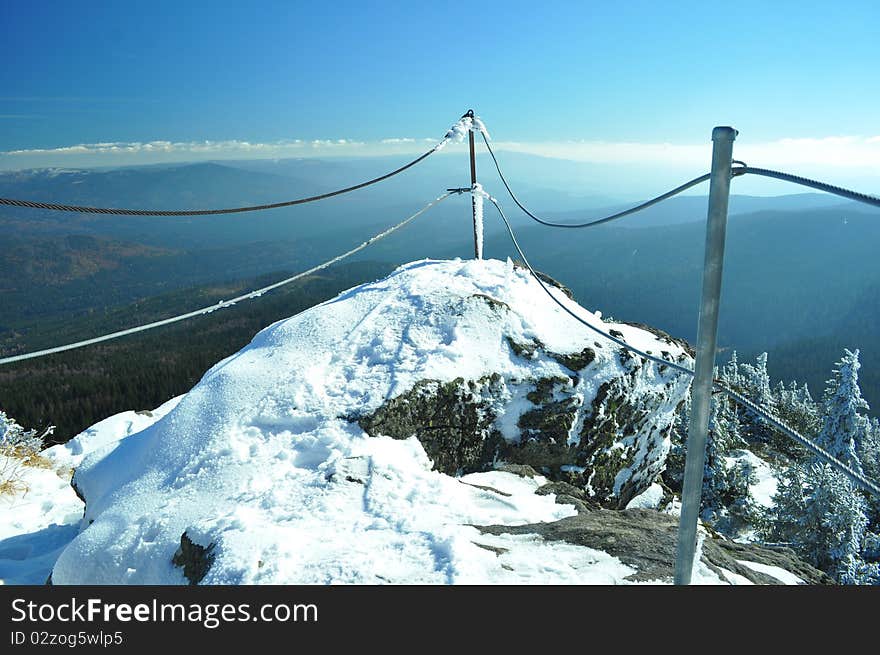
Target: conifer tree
(756, 382)
(835, 523)
(817, 508)
(843, 427)
(786, 524)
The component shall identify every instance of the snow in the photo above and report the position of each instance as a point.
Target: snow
(736, 578)
(649, 499)
(259, 459)
(763, 490)
(39, 521)
(105, 435)
(673, 508)
(458, 131)
(479, 126)
(785, 577)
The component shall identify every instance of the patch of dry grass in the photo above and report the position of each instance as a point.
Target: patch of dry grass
(12, 460)
(12, 486)
(26, 457)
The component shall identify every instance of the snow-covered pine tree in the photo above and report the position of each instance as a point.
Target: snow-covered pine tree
(755, 380)
(714, 466)
(742, 509)
(780, 394)
(18, 442)
(785, 524)
(796, 407)
(673, 474)
(730, 371)
(726, 497)
(835, 521)
(869, 454)
(869, 449)
(810, 420)
(817, 508)
(843, 427)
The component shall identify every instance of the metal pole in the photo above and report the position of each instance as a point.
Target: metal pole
(477, 253)
(707, 333)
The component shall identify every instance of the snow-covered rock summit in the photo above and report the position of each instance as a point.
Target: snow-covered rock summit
(361, 441)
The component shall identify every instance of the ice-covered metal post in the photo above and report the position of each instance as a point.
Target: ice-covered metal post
(707, 333)
(477, 250)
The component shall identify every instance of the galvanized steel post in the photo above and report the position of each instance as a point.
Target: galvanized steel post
(707, 333)
(477, 253)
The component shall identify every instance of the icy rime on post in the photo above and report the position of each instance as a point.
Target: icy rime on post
(467, 124)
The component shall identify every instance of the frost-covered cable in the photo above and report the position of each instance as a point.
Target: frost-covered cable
(598, 221)
(814, 184)
(854, 476)
(226, 303)
(456, 132)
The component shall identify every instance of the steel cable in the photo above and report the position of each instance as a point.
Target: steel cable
(235, 210)
(225, 303)
(818, 451)
(814, 184)
(598, 221)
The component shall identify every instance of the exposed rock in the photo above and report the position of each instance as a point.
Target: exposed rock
(784, 558)
(451, 420)
(575, 361)
(664, 336)
(77, 491)
(579, 505)
(193, 558)
(483, 487)
(551, 420)
(268, 459)
(616, 413)
(522, 470)
(547, 279)
(615, 446)
(527, 349)
(646, 541)
(492, 549)
(494, 303)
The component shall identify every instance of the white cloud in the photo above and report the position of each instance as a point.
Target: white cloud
(832, 151)
(857, 154)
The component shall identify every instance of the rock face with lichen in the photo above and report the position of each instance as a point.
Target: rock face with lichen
(601, 423)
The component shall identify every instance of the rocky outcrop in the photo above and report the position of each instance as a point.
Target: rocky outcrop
(646, 541)
(611, 445)
(665, 336)
(451, 420)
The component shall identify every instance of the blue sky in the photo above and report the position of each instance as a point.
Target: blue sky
(581, 80)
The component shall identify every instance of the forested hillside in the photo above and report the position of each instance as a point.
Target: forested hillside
(75, 389)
